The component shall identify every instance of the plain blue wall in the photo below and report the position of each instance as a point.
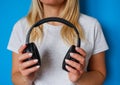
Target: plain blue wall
(106, 11)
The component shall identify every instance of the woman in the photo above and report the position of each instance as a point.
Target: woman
(53, 40)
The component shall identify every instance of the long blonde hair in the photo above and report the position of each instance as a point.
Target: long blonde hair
(70, 13)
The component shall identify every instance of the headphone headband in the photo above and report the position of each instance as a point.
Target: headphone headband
(55, 19)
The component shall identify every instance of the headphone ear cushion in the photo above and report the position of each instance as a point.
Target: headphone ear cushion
(67, 56)
(32, 48)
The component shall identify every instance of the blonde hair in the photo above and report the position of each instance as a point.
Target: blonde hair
(70, 13)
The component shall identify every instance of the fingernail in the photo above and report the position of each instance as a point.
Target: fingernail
(77, 48)
(36, 60)
(37, 66)
(66, 66)
(23, 45)
(30, 54)
(71, 54)
(66, 60)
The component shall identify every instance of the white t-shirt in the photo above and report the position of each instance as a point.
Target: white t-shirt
(52, 48)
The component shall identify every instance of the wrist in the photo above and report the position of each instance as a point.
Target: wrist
(80, 78)
(27, 81)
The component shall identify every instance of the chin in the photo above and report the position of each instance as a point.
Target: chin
(52, 2)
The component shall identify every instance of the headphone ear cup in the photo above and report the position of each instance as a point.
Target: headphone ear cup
(31, 48)
(67, 56)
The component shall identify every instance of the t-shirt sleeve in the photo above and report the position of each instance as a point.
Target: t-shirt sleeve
(100, 43)
(16, 38)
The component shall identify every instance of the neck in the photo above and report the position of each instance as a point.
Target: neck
(53, 11)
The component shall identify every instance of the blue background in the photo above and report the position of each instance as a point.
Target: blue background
(106, 11)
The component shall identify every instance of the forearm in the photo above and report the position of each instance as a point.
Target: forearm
(18, 79)
(91, 78)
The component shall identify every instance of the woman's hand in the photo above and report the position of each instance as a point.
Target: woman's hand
(75, 74)
(27, 73)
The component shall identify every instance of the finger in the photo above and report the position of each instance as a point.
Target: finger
(75, 65)
(25, 56)
(20, 50)
(78, 57)
(71, 70)
(81, 51)
(30, 70)
(28, 63)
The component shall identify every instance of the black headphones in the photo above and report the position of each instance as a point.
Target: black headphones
(31, 47)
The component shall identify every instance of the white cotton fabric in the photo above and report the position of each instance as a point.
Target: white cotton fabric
(52, 49)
